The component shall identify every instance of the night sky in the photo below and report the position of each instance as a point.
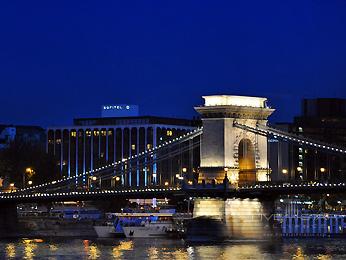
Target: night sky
(64, 59)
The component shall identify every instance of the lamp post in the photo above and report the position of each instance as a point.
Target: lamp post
(323, 170)
(28, 171)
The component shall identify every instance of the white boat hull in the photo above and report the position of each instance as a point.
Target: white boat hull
(147, 231)
(106, 231)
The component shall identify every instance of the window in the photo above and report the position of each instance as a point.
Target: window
(133, 147)
(148, 146)
(300, 157)
(169, 133)
(73, 134)
(300, 129)
(300, 163)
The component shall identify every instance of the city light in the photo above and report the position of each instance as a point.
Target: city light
(322, 169)
(284, 171)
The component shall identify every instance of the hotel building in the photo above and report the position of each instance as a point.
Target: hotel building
(91, 143)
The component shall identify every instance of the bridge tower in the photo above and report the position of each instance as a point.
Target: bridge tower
(226, 149)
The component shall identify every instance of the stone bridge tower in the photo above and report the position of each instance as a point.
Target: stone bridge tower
(226, 149)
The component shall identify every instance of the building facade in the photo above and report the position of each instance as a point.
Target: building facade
(322, 119)
(94, 142)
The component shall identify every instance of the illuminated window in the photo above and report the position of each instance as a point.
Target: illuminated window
(300, 163)
(300, 157)
(103, 133)
(88, 133)
(300, 129)
(133, 147)
(102, 155)
(148, 146)
(58, 141)
(73, 134)
(96, 133)
(300, 149)
(110, 132)
(169, 133)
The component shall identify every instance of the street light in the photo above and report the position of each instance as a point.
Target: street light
(28, 171)
(29, 182)
(322, 169)
(184, 169)
(166, 183)
(284, 171)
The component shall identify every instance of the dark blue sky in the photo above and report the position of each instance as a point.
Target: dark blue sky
(64, 59)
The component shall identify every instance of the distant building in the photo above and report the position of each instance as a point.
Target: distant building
(322, 119)
(93, 142)
(26, 134)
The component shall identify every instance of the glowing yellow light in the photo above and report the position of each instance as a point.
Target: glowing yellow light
(10, 251)
(284, 171)
(12, 185)
(189, 182)
(323, 169)
(184, 169)
(177, 175)
(166, 183)
(117, 178)
(94, 178)
(225, 100)
(299, 169)
(30, 182)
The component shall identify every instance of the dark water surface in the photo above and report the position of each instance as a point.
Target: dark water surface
(170, 249)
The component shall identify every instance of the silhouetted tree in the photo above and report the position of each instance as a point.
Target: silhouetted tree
(20, 155)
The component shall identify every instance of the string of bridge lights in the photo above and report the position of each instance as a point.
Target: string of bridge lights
(191, 134)
(269, 187)
(10, 196)
(291, 185)
(277, 133)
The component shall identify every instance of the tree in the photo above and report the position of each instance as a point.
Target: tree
(19, 156)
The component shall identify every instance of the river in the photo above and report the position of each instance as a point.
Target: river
(68, 248)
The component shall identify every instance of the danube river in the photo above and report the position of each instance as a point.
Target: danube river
(170, 249)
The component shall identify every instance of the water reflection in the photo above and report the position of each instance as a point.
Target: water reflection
(171, 249)
(91, 250)
(29, 250)
(118, 251)
(10, 251)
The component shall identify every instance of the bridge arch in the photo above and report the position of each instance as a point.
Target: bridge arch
(247, 161)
